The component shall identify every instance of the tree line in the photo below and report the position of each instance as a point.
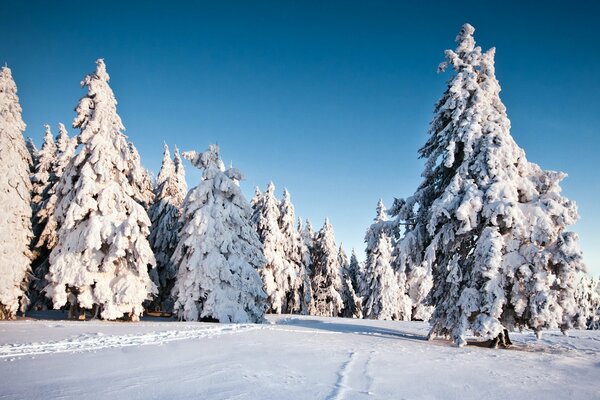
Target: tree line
(480, 248)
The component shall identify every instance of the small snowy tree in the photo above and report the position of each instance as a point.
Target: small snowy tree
(102, 256)
(164, 233)
(300, 298)
(355, 271)
(219, 253)
(46, 223)
(352, 301)
(279, 275)
(327, 274)
(383, 289)
(15, 197)
(42, 179)
(489, 224)
(308, 239)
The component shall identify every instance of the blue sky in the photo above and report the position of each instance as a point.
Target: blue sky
(329, 99)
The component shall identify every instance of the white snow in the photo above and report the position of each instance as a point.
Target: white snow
(296, 357)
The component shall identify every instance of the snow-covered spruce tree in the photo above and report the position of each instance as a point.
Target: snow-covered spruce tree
(488, 223)
(300, 297)
(352, 301)
(164, 233)
(46, 223)
(15, 198)
(219, 253)
(327, 275)
(102, 256)
(42, 179)
(355, 271)
(383, 289)
(279, 274)
(308, 238)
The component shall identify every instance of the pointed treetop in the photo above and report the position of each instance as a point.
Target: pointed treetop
(62, 139)
(62, 132)
(48, 138)
(308, 226)
(101, 70)
(466, 52)
(166, 168)
(179, 169)
(286, 196)
(6, 72)
(270, 188)
(381, 211)
(31, 146)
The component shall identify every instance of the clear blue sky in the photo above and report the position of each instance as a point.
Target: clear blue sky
(329, 99)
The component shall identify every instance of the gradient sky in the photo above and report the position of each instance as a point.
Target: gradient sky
(329, 99)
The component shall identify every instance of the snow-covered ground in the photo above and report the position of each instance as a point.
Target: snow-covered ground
(289, 358)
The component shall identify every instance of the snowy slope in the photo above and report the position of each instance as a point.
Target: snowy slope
(291, 358)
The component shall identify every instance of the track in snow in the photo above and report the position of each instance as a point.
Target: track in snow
(354, 376)
(99, 341)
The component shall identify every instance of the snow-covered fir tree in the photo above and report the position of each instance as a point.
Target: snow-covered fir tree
(294, 252)
(102, 256)
(15, 198)
(355, 270)
(46, 223)
(219, 253)
(164, 233)
(308, 239)
(489, 224)
(352, 301)
(383, 289)
(65, 153)
(327, 274)
(42, 179)
(279, 275)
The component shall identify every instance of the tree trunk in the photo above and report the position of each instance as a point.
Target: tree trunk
(501, 340)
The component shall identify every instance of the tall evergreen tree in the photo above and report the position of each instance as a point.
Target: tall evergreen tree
(42, 179)
(327, 274)
(219, 253)
(352, 301)
(383, 289)
(355, 271)
(46, 223)
(165, 213)
(300, 297)
(15, 197)
(102, 256)
(489, 224)
(279, 275)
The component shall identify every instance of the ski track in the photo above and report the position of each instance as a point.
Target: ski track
(354, 376)
(99, 341)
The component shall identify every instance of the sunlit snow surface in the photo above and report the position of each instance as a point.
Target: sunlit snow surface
(289, 358)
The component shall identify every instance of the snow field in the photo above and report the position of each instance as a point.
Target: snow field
(292, 358)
